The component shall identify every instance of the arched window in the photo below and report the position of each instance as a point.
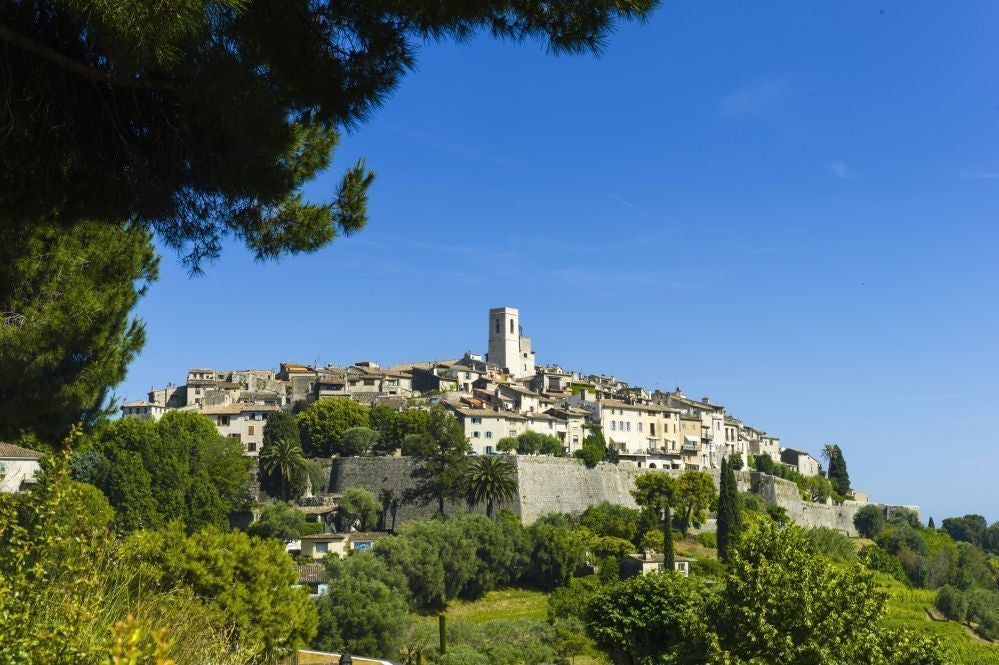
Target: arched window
(497, 326)
(652, 465)
(511, 326)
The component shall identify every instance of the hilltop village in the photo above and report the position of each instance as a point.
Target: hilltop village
(503, 393)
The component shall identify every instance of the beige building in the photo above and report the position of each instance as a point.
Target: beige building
(142, 410)
(800, 461)
(635, 429)
(484, 428)
(18, 467)
(243, 422)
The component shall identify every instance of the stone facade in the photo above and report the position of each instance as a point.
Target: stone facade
(556, 484)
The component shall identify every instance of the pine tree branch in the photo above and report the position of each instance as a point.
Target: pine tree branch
(53, 56)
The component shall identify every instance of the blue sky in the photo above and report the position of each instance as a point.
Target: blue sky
(788, 207)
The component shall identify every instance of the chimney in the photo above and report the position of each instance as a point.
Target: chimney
(704, 399)
(647, 554)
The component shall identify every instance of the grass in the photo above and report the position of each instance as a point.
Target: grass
(502, 604)
(907, 608)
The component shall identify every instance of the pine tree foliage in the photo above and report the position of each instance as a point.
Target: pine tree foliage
(202, 119)
(65, 334)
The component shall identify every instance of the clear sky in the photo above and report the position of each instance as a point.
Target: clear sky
(788, 207)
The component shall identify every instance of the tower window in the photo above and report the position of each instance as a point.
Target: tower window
(497, 326)
(511, 326)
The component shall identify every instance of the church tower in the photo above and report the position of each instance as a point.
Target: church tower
(506, 346)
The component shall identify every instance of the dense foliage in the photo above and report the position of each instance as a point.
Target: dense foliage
(729, 511)
(282, 470)
(532, 443)
(65, 334)
(440, 455)
(177, 468)
(249, 580)
(781, 603)
(324, 423)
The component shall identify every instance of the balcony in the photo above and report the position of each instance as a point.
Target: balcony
(689, 447)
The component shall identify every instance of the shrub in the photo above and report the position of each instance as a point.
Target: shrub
(708, 539)
(952, 603)
(878, 559)
(711, 568)
(831, 543)
(869, 521)
(752, 503)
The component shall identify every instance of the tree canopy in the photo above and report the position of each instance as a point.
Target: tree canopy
(440, 460)
(178, 468)
(66, 296)
(202, 119)
(324, 424)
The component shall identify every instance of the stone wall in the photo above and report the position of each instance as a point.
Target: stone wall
(553, 484)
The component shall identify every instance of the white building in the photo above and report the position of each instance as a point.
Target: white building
(18, 467)
(507, 347)
(484, 428)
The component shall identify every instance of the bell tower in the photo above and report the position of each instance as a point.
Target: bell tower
(504, 338)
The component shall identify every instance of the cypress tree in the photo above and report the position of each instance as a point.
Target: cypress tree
(729, 517)
(930, 525)
(838, 475)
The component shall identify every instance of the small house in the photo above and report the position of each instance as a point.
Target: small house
(648, 561)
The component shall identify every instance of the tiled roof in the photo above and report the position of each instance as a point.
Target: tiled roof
(139, 402)
(618, 404)
(314, 573)
(327, 537)
(10, 451)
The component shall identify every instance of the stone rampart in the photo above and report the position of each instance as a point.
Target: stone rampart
(553, 484)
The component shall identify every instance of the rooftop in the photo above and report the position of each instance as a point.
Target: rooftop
(10, 451)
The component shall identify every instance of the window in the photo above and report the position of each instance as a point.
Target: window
(497, 326)
(369, 382)
(476, 421)
(613, 426)
(235, 436)
(511, 326)
(627, 426)
(475, 435)
(575, 438)
(640, 427)
(652, 429)
(251, 447)
(489, 435)
(322, 547)
(489, 450)
(249, 430)
(513, 432)
(224, 421)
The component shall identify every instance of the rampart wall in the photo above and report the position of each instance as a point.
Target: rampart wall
(552, 484)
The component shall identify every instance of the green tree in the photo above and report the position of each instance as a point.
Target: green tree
(248, 579)
(394, 426)
(440, 460)
(358, 441)
(657, 493)
(281, 426)
(729, 512)
(421, 563)
(361, 608)
(66, 336)
(281, 521)
(139, 118)
(611, 519)
(782, 603)
(323, 424)
(838, 475)
(555, 553)
(532, 443)
(869, 521)
(695, 495)
(358, 509)
(282, 459)
(594, 447)
(969, 529)
(179, 468)
(655, 618)
(490, 480)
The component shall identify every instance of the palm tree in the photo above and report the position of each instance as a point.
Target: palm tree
(491, 479)
(285, 458)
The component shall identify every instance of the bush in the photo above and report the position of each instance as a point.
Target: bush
(878, 559)
(708, 539)
(952, 603)
(571, 600)
(711, 568)
(752, 503)
(869, 521)
(831, 543)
